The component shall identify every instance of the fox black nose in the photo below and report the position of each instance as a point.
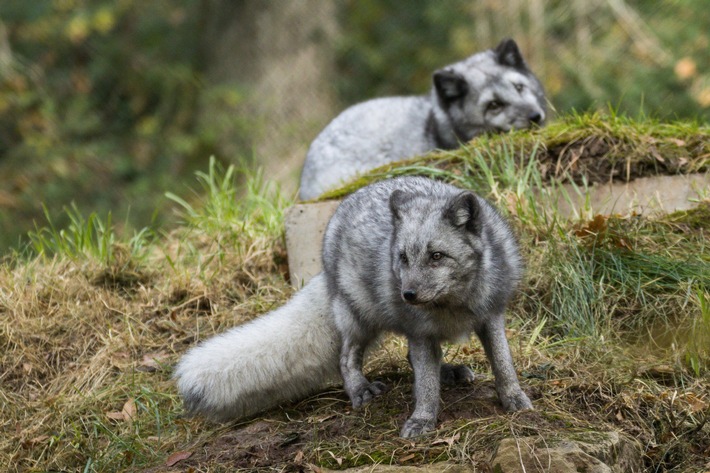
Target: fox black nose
(409, 295)
(535, 118)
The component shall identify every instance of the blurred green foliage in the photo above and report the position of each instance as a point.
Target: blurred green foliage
(104, 102)
(98, 105)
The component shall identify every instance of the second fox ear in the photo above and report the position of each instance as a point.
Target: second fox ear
(462, 211)
(508, 54)
(450, 85)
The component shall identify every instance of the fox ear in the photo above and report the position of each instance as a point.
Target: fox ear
(508, 54)
(463, 210)
(449, 85)
(397, 200)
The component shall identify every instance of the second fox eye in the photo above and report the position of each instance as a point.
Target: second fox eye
(436, 256)
(519, 87)
(495, 105)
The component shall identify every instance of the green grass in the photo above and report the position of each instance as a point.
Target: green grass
(220, 206)
(619, 274)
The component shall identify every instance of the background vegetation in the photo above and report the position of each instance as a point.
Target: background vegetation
(109, 104)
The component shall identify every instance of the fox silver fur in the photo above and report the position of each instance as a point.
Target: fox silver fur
(409, 255)
(491, 91)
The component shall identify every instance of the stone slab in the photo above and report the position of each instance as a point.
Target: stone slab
(645, 195)
(306, 223)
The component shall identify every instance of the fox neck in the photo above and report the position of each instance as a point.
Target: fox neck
(444, 131)
(442, 138)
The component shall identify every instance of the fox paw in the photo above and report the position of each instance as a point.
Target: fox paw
(416, 427)
(456, 374)
(516, 401)
(366, 393)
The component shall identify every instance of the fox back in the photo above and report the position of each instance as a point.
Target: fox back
(490, 92)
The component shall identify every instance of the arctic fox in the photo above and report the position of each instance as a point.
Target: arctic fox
(491, 91)
(410, 255)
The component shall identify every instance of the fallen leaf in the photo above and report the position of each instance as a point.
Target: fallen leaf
(338, 460)
(39, 439)
(29, 443)
(177, 457)
(319, 419)
(406, 458)
(115, 416)
(695, 403)
(153, 361)
(448, 440)
(121, 359)
(594, 227)
(129, 410)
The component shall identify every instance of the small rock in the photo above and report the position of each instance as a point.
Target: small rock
(591, 452)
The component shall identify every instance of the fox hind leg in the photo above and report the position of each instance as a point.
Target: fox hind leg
(452, 375)
(456, 374)
(354, 341)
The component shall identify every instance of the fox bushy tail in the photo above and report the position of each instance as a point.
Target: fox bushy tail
(284, 355)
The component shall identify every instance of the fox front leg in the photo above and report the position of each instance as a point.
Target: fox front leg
(492, 336)
(425, 358)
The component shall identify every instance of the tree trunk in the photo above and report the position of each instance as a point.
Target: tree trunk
(281, 55)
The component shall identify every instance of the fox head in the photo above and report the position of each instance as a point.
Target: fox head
(492, 91)
(436, 250)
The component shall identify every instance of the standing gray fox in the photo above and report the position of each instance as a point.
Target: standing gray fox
(491, 91)
(409, 255)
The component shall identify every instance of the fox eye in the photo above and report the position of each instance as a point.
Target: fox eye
(403, 258)
(519, 87)
(437, 255)
(495, 105)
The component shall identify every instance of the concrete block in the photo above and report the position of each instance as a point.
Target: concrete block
(305, 225)
(645, 195)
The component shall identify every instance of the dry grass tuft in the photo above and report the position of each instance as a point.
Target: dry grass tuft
(88, 341)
